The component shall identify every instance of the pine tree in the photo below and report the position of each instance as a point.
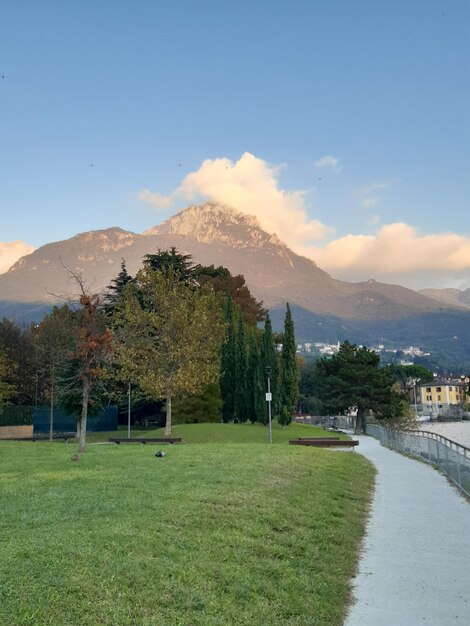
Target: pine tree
(116, 288)
(240, 373)
(289, 390)
(228, 365)
(165, 261)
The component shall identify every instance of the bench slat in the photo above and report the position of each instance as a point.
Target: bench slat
(325, 443)
(119, 440)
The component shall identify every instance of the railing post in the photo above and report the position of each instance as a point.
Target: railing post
(458, 469)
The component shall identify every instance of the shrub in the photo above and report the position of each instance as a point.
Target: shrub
(16, 415)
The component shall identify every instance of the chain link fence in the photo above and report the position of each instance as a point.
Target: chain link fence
(449, 456)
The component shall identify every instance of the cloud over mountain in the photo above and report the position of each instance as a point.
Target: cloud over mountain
(394, 252)
(251, 185)
(11, 251)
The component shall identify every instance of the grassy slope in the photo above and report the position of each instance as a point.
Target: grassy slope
(208, 535)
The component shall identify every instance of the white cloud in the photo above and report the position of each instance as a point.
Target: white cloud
(374, 187)
(370, 201)
(328, 161)
(250, 185)
(394, 253)
(395, 250)
(11, 251)
(373, 221)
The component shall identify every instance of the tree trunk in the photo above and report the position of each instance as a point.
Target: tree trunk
(168, 417)
(360, 422)
(85, 397)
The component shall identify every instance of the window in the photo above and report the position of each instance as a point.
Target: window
(439, 399)
(438, 389)
(450, 388)
(428, 389)
(429, 398)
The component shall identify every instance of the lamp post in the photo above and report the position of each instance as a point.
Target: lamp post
(415, 382)
(269, 400)
(129, 412)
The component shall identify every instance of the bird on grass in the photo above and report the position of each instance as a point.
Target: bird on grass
(160, 453)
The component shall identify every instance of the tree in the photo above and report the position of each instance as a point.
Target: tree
(270, 362)
(289, 388)
(228, 365)
(116, 288)
(254, 382)
(309, 402)
(92, 346)
(54, 337)
(404, 373)
(168, 336)
(172, 261)
(224, 283)
(353, 379)
(7, 389)
(240, 373)
(17, 346)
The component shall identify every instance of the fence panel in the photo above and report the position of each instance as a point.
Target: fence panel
(449, 456)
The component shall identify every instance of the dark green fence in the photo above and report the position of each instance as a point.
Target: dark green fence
(63, 423)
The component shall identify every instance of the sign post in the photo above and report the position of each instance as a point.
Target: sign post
(269, 398)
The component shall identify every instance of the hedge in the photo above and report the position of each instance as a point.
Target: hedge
(16, 415)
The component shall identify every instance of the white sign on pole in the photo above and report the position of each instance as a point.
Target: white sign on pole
(269, 397)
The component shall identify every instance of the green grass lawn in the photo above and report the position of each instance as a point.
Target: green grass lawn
(209, 535)
(222, 433)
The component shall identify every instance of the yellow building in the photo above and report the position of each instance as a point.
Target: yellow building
(440, 396)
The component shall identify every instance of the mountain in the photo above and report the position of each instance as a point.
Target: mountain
(325, 308)
(213, 235)
(454, 297)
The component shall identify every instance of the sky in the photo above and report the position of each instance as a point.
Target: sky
(343, 125)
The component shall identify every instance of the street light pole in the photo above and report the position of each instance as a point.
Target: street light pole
(268, 400)
(129, 412)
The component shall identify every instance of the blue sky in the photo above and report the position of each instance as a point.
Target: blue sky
(101, 100)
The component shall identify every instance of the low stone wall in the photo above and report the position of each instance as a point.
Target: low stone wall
(16, 431)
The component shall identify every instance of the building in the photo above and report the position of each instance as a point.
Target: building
(443, 397)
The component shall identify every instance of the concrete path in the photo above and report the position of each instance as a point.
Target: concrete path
(415, 564)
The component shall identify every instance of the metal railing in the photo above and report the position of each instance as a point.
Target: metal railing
(449, 456)
(341, 422)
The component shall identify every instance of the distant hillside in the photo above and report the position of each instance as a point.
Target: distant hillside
(452, 297)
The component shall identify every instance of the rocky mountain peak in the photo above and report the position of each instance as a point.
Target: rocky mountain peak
(216, 223)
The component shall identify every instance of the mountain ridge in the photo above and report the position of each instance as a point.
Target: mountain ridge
(212, 234)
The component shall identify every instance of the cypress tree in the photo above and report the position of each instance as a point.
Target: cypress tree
(269, 359)
(228, 366)
(255, 395)
(240, 373)
(289, 390)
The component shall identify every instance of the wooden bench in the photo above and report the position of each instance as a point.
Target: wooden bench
(315, 439)
(325, 442)
(63, 436)
(119, 440)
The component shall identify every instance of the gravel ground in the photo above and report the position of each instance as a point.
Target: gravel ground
(415, 564)
(457, 431)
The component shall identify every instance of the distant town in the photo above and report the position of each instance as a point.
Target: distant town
(401, 356)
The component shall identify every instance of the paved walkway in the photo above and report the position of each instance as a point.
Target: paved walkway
(415, 564)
